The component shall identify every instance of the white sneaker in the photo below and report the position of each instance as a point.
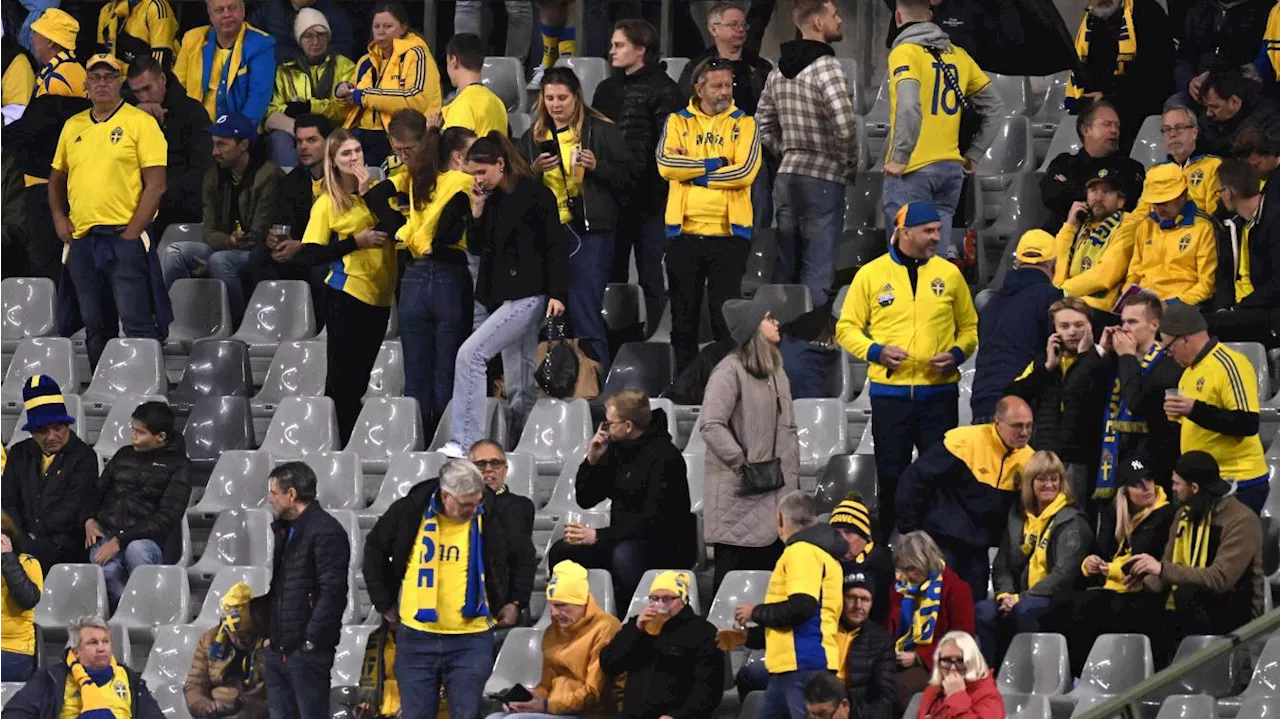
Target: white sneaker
(452, 450)
(535, 83)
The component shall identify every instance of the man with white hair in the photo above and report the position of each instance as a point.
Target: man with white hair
(87, 683)
(436, 566)
(1181, 132)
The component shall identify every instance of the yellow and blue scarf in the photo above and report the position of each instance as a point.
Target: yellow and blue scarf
(1126, 53)
(1119, 419)
(96, 687)
(1191, 543)
(919, 611)
(378, 687)
(428, 596)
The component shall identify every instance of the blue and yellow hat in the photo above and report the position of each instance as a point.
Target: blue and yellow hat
(43, 401)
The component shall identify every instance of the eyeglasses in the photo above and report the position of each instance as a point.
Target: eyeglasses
(100, 78)
(1175, 129)
(735, 26)
(859, 599)
(662, 601)
(953, 662)
(484, 464)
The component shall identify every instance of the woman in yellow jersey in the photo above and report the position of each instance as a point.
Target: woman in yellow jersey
(524, 277)
(398, 72)
(345, 233)
(305, 85)
(21, 585)
(583, 158)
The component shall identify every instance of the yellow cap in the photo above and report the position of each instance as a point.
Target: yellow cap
(1036, 247)
(569, 584)
(1164, 183)
(672, 581)
(237, 596)
(58, 27)
(103, 58)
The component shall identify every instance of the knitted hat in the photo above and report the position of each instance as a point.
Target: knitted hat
(858, 579)
(58, 27)
(1197, 467)
(852, 514)
(1164, 183)
(569, 584)
(42, 399)
(744, 316)
(237, 596)
(1035, 248)
(1181, 320)
(671, 581)
(309, 17)
(914, 214)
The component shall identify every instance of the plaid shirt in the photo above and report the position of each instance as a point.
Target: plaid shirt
(810, 121)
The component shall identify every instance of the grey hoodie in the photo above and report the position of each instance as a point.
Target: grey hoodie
(909, 116)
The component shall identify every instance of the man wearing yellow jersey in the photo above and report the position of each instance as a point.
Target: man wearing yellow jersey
(130, 29)
(105, 186)
(1249, 303)
(1095, 244)
(474, 106)
(1175, 248)
(53, 39)
(928, 75)
(1216, 403)
(436, 569)
(86, 683)
(798, 621)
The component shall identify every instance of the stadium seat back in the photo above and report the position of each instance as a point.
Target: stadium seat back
(521, 473)
(646, 366)
(1217, 678)
(238, 481)
(675, 66)
(172, 700)
(1036, 664)
(71, 591)
(795, 302)
(1026, 706)
(387, 377)
(302, 426)
(216, 368)
(505, 77)
(591, 71)
(1257, 356)
(519, 661)
(518, 124)
(129, 367)
(837, 381)
(297, 370)
(1187, 706)
(1065, 139)
(386, 426)
(1148, 146)
(1260, 707)
(155, 594)
(863, 207)
(495, 423)
(557, 431)
(200, 309)
(821, 431)
(29, 305)
(696, 471)
(170, 658)
(258, 579)
(216, 425)
(278, 311)
(738, 587)
(339, 480)
(1116, 662)
(240, 537)
(623, 306)
(52, 356)
(117, 429)
(349, 656)
(1013, 91)
(1011, 151)
(600, 582)
(847, 473)
(404, 471)
(7, 690)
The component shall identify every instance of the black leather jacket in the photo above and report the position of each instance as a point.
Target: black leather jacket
(639, 103)
(603, 187)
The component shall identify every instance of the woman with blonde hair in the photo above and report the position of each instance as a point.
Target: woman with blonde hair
(1038, 562)
(928, 601)
(962, 685)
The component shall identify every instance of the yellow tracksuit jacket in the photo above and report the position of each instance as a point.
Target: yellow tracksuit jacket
(152, 22)
(1178, 259)
(408, 78)
(709, 161)
(1092, 261)
(881, 309)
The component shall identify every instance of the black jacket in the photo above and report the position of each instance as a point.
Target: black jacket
(41, 697)
(1067, 408)
(679, 673)
(388, 544)
(295, 200)
(516, 514)
(1011, 37)
(646, 479)
(1146, 81)
(309, 581)
(871, 672)
(749, 73)
(49, 506)
(1075, 169)
(190, 153)
(1149, 537)
(142, 495)
(603, 187)
(1256, 110)
(1144, 395)
(33, 138)
(522, 245)
(1220, 34)
(640, 104)
(1264, 252)
(1012, 326)
(24, 592)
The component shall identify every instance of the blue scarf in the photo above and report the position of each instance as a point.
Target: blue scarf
(917, 621)
(476, 605)
(1119, 418)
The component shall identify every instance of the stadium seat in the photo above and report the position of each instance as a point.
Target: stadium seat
(348, 658)
(70, 591)
(279, 311)
(564, 499)
(595, 519)
(130, 367)
(495, 423)
(675, 66)
(1148, 146)
(258, 578)
(1036, 664)
(1013, 91)
(837, 379)
(200, 310)
(216, 368)
(121, 646)
(519, 661)
(623, 306)
(387, 377)
(29, 310)
(181, 232)
(591, 71)
(238, 481)
(1065, 139)
(218, 424)
(387, 426)
(851, 77)
(51, 356)
(301, 426)
(1265, 681)
(117, 429)
(1215, 679)
(1260, 707)
(913, 707)
(696, 444)
(738, 587)
(1025, 706)
(172, 700)
(339, 481)
(863, 201)
(821, 431)
(240, 537)
(1050, 113)
(877, 120)
(518, 123)
(641, 597)
(505, 77)
(695, 466)
(1257, 356)
(155, 594)
(521, 475)
(600, 582)
(74, 408)
(860, 245)
(7, 690)
(646, 366)
(763, 253)
(847, 473)
(1010, 153)
(1084, 705)
(298, 369)
(1187, 706)
(170, 658)
(1116, 662)
(405, 470)
(556, 432)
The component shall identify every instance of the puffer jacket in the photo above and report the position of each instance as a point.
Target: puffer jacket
(1069, 538)
(211, 680)
(640, 103)
(48, 506)
(871, 673)
(43, 695)
(142, 495)
(309, 583)
(1011, 327)
(745, 419)
(604, 187)
(679, 672)
(1067, 407)
(573, 681)
(1148, 537)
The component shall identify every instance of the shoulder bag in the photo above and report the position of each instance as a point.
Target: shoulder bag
(762, 477)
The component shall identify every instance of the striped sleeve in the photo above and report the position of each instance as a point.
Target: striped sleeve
(1239, 390)
(745, 163)
(419, 61)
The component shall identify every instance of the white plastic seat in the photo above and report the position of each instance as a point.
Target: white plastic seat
(595, 519)
(348, 659)
(519, 661)
(822, 433)
(70, 591)
(1148, 146)
(675, 67)
(495, 423)
(695, 467)
(1036, 664)
(171, 699)
(505, 77)
(518, 123)
(117, 429)
(279, 311)
(591, 71)
(1260, 707)
(170, 658)
(240, 537)
(302, 426)
(1065, 139)
(201, 310)
(1216, 678)
(406, 470)
(217, 425)
(74, 408)
(258, 579)
(521, 475)
(52, 356)
(600, 584)
(1265, 681)
(339, 480)
(641, 596)
(29, 306)
(238, 481)
(795, 302)
(298, 369)
(7, 690)
(556, 432)
(387, 377)
(1050, 111)
(386, 426)
(564, 499)
(1188, 706)
(738, 587)
(1116, 662)
(1025, 706)
(1257, 356)
(155, 594)
(129, 367)
(1013, 91)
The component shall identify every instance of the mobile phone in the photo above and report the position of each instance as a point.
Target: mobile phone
(549, 147)
(1127, 567)
(517, 693)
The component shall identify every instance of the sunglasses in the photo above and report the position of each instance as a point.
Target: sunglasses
(953, 662)
(491, 463)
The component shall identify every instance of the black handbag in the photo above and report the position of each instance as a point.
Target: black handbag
(761, 477)
(970, 118)
(558, 373)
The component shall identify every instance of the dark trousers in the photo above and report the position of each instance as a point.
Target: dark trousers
(696, 263)
(15, 667)
(899, 424)
(44, 247)
(995, 632)
(60, 550)
(730, 557)
(435, 318)
(298, 683)
(1254, 496)
(645, 232)
(627, 561)
(1095, 612)
(970, 562)
(355, 336)
(113, 287)
(1249, 325)
(590, 261)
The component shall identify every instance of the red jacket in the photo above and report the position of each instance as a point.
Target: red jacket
(979, 700)
(956, 613)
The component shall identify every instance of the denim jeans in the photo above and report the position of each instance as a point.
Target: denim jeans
(938, 183)
(281, 149)
(994, 632)
(15, 667)
(133, 555)
(810, 217)
(590, 259)
(424, 661)
(435, 317)
(512, 330)
(784, 697)
(113, 287)
(479, 313)
(469, 16)
(898, 425)
(180, 259)
(298, 683)
(647, 233)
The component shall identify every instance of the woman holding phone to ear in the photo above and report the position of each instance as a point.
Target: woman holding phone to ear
(524, 278)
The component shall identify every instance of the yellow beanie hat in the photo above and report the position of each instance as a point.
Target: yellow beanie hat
(58, 27)
(672, 581)
(852, 514)
(569, 584)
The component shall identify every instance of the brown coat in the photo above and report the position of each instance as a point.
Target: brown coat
(205, 684)
(749, 406)
(572, 680)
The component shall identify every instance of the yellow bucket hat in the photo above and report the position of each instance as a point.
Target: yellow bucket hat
(1164, 183)
(59, 27)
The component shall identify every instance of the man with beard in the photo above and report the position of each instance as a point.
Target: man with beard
(1064, 179)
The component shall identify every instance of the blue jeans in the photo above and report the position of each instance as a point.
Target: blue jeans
(1254, 496)
(512, 330)
(424, 661)
(938, 183)
(113, 287)
(435, 317)
(282, 149)
(117, 570)
(810, 217)
(590, 260)
(180, 259)
(784, 697)
(647, 233)
(15, 667)
(994, 632)
(298, 683)
(899, 424)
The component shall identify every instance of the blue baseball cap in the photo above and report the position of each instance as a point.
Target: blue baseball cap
(914, 214)
(233, 125)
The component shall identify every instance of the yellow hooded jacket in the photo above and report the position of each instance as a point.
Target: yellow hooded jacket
(572, 680)
(408, 78)
(151, 21)
(1177, 259)
(710, 162)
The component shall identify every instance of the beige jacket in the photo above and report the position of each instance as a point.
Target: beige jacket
(750, 407)
(206, 683)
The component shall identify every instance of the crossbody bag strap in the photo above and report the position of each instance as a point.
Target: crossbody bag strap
(951, 78)
(777, 419)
